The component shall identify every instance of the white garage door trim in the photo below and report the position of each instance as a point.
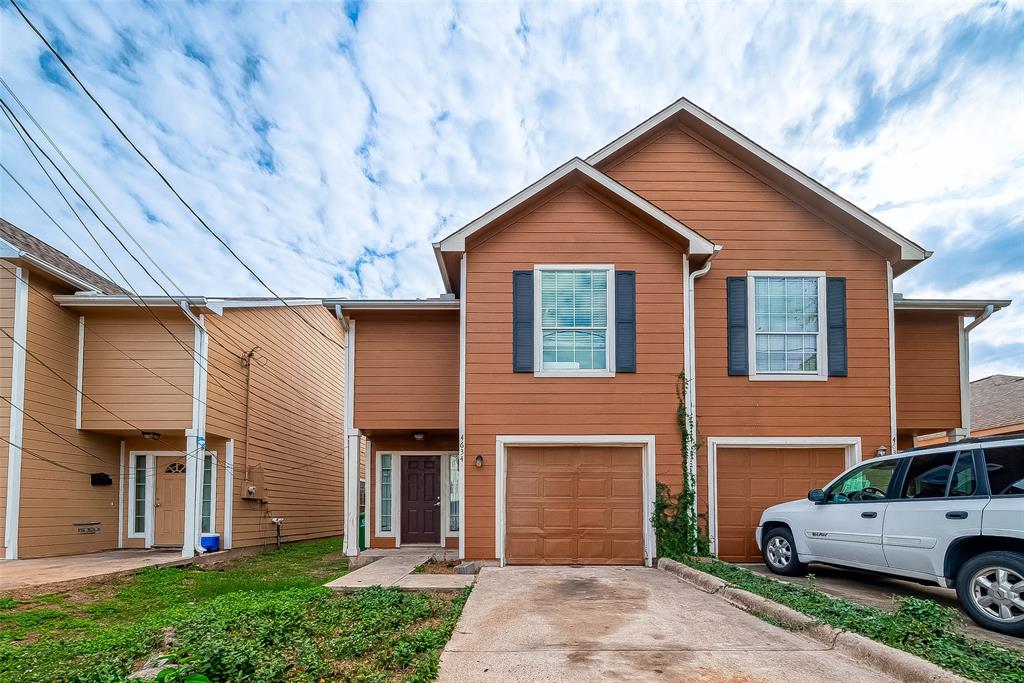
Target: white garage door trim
(503, 442)
(851, 444)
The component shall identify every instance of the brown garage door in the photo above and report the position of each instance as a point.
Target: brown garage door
(569, 505)
(752, 479)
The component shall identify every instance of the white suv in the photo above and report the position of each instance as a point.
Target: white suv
(950, 514)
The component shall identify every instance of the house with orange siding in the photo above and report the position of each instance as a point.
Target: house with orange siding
(526, 415)
(138, 422)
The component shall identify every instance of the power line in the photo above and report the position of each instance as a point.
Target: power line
(42, 457)
(162, 177)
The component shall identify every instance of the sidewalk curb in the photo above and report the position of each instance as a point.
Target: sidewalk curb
(900, 665)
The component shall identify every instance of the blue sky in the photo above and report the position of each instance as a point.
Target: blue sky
(331, 143)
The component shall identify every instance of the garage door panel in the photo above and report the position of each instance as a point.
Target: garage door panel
(589, 509)
(752, 479)
(522, 486)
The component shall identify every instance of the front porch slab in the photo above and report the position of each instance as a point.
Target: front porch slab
(393, 568)
(24, 575)
(436, 582)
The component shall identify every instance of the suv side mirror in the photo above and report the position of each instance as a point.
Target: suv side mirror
(816, 496)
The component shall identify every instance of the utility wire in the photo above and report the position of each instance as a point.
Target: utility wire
(162, 177)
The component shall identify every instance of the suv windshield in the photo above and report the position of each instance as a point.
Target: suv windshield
(870, 482)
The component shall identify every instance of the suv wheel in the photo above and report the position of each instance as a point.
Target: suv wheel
(779, 552)
(990, 587)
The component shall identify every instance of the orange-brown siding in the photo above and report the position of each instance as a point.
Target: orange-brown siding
(762, 229)
(407, 370)
(296, 418)
(139, 376)
(56, 494)
(927, 371)
(572, 227)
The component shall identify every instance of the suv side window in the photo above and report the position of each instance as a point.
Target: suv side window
(1005, 466)
(928, 475)
(865, 484)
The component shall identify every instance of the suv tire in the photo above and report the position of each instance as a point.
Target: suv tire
(990, 587)
(779, 553)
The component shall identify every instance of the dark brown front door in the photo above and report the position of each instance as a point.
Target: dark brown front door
(421, 499)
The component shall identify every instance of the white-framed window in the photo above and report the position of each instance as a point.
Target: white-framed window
(453, 493)
(209, 501)
(137, 502)
(574, 334)
(386, 480)
(786, 325)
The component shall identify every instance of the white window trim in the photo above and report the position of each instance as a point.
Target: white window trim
(396, 494)
(446, 505)
(131, 497)
(538, 336)
(648, 475)
(850, 444)
(822, 374)
(213, 495)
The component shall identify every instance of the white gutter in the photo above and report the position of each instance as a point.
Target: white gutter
(101, 300)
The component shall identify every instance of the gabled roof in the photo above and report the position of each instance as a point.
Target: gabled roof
(21, 245)
(773, 169)
(456, 242)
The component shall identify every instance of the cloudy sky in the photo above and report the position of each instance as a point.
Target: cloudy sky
(331, 143)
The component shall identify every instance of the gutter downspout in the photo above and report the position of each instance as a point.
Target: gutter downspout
(690, 359)
(989, 310)
(965, 375)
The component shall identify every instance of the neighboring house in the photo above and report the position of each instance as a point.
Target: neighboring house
(526, 415)
(997, 408)
(130, 423)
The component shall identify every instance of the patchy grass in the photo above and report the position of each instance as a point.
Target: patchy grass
(263, 618)
(920, 627)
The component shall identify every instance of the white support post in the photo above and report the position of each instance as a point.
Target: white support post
(229, 493)
(16, 431)
(351, 464)
(462, 408)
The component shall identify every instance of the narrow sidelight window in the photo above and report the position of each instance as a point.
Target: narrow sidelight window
(385, 493)
(573, 320)
(207, 523)
(139, 519)
(453, 493)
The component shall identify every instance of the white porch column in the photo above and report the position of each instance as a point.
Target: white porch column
(352, 494)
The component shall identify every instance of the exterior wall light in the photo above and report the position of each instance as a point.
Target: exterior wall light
(419, 436)
(152, 436)
(478, 461)
(880, 451)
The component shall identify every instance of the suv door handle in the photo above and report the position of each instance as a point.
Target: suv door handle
(956, 514)
(869, 515)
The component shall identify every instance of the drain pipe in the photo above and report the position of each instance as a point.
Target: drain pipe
(989, 310)
(690, 361)
(965, 381)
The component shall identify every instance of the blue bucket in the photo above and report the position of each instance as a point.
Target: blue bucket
(210, 542)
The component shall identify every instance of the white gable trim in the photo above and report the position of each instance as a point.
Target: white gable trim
(456, 242)
(908, 250)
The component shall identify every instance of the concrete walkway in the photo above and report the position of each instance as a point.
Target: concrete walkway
(583, 624)
(877, 590)
(396, 571)
(20, 575)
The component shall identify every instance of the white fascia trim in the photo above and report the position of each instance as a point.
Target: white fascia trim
(81, 365)
(351, 452)
(394, 304)
(892, 359)
(646, 441)
(968, 306)
(538, 336)
(850, 444)
(698, 244)
(229, 494)
(462, 405)
(909, 250)
(822, 337)
(90, 300)
(120, 496)
(16, 428)
(62, 275)
(445, 277)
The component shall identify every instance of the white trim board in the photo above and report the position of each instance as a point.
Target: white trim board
(229, 494)
(149, 523)
(648, 475)
(462, 402)
(16, 427)
(79, 380)
(350, 482)
(850, 444)
(120, 496)
(892, 358)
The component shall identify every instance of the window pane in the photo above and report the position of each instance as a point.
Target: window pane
(1005, 470)
(928, 475)
(963, 482)
(385, 493)
(453, 493)
(868, 483)
(207, 522)
(786, 307)
(139, 521)
(574, 319)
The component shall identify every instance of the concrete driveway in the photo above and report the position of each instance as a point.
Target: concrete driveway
(582, 624)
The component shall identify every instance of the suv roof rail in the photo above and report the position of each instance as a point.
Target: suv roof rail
(973, 439)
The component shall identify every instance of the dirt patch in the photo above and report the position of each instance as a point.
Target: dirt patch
(437, 567)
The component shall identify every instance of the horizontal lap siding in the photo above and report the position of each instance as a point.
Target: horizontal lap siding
(761, 229)
(56, 497)
(407, 370)
(7, 284)
(138, 373)
(927, 370)
(296, 417)
(572, 227)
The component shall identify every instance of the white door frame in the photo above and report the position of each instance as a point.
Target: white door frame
(150, 510)
(850, 444)
(396, 494)
(646, 442)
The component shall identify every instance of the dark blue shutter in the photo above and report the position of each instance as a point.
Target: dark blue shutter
(522, 321)
(835, 315)
(625, 321)
(736, 320)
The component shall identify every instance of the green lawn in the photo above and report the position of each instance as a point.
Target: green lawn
(921, 627)
(263, 618)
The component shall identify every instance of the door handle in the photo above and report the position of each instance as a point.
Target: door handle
(956, 514)
(438, 503)
(869, 515)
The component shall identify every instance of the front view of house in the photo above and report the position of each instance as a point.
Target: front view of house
(526, 415)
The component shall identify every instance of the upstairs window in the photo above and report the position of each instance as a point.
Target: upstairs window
(574, 305)
(786, 325)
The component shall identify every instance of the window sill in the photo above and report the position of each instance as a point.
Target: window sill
(787, 378)
(573, 373)
(135, 535)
